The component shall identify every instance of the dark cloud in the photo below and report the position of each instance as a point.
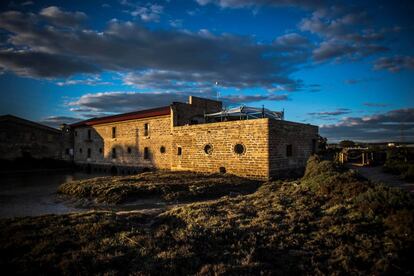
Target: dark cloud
(27, 3)
(116, 102)
(91, 81)
(360, 80)
(352, 81)
(395, 63)
(343, 28)
(36, 64)
(327, 25)
(58, 17)
(238, 99)
(381, 127)
(151, 12)
(376, 104)
(339, 111)
(292, 41)
(57, 121)
(146, 12)
(307, 4)
(333, 49)
(177, 56)
(345, 34)
(314, 87)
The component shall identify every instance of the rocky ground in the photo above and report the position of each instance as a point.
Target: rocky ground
(329, 222)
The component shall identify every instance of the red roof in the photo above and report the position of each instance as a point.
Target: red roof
(160, 111)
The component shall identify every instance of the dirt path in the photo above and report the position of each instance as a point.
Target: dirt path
(375, 174)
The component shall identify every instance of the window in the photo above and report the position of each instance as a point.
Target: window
(146, 129)
(208, 149)
(67, 151)
(113, 153)
(179, 151)
(80, 150)
(239, 149)
(100, 150)
(89, 134)
(129, 150)
(113, 132)
(162, 149)
(76, 133)
(146, 153)
(89, 153)
(289, 150)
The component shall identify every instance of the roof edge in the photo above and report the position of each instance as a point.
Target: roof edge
(141, 114)
(25, 121)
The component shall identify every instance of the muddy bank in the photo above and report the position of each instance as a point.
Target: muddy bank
(329, 222)
(35, 194)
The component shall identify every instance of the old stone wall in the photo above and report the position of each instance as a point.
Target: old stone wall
(18, 139)
(193, 111)
(260, 148)
(251, 161)
(290, 145)
(129, 143)
(67, 143)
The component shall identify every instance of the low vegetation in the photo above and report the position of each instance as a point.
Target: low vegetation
(400, 161)
(329, 222)
(168, 186)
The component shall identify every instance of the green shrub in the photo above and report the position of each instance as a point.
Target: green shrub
(409, 173)
(328, 178)
(395, 166)
(379, 200)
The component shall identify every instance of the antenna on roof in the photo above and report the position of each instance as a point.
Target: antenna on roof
(217, 91)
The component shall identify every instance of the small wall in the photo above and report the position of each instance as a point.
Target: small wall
(223, 136)
(303, 140)
(184, 113)
(25, 140)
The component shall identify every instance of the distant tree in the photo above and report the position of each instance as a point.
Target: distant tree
(322, 143)
(346, 144)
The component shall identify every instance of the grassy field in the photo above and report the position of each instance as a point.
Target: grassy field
(329, 222)
(165, 185)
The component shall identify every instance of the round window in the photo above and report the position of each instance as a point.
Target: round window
(162, 149)
(239, 149)
(208, 149)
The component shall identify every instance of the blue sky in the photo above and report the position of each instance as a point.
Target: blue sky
(347, 66)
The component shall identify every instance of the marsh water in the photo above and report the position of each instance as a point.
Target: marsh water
(35, 194)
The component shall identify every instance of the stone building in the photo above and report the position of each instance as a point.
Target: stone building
(177, 137)
(23, 138)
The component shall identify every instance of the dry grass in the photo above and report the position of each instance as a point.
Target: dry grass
(168, 186)
(330, 222)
